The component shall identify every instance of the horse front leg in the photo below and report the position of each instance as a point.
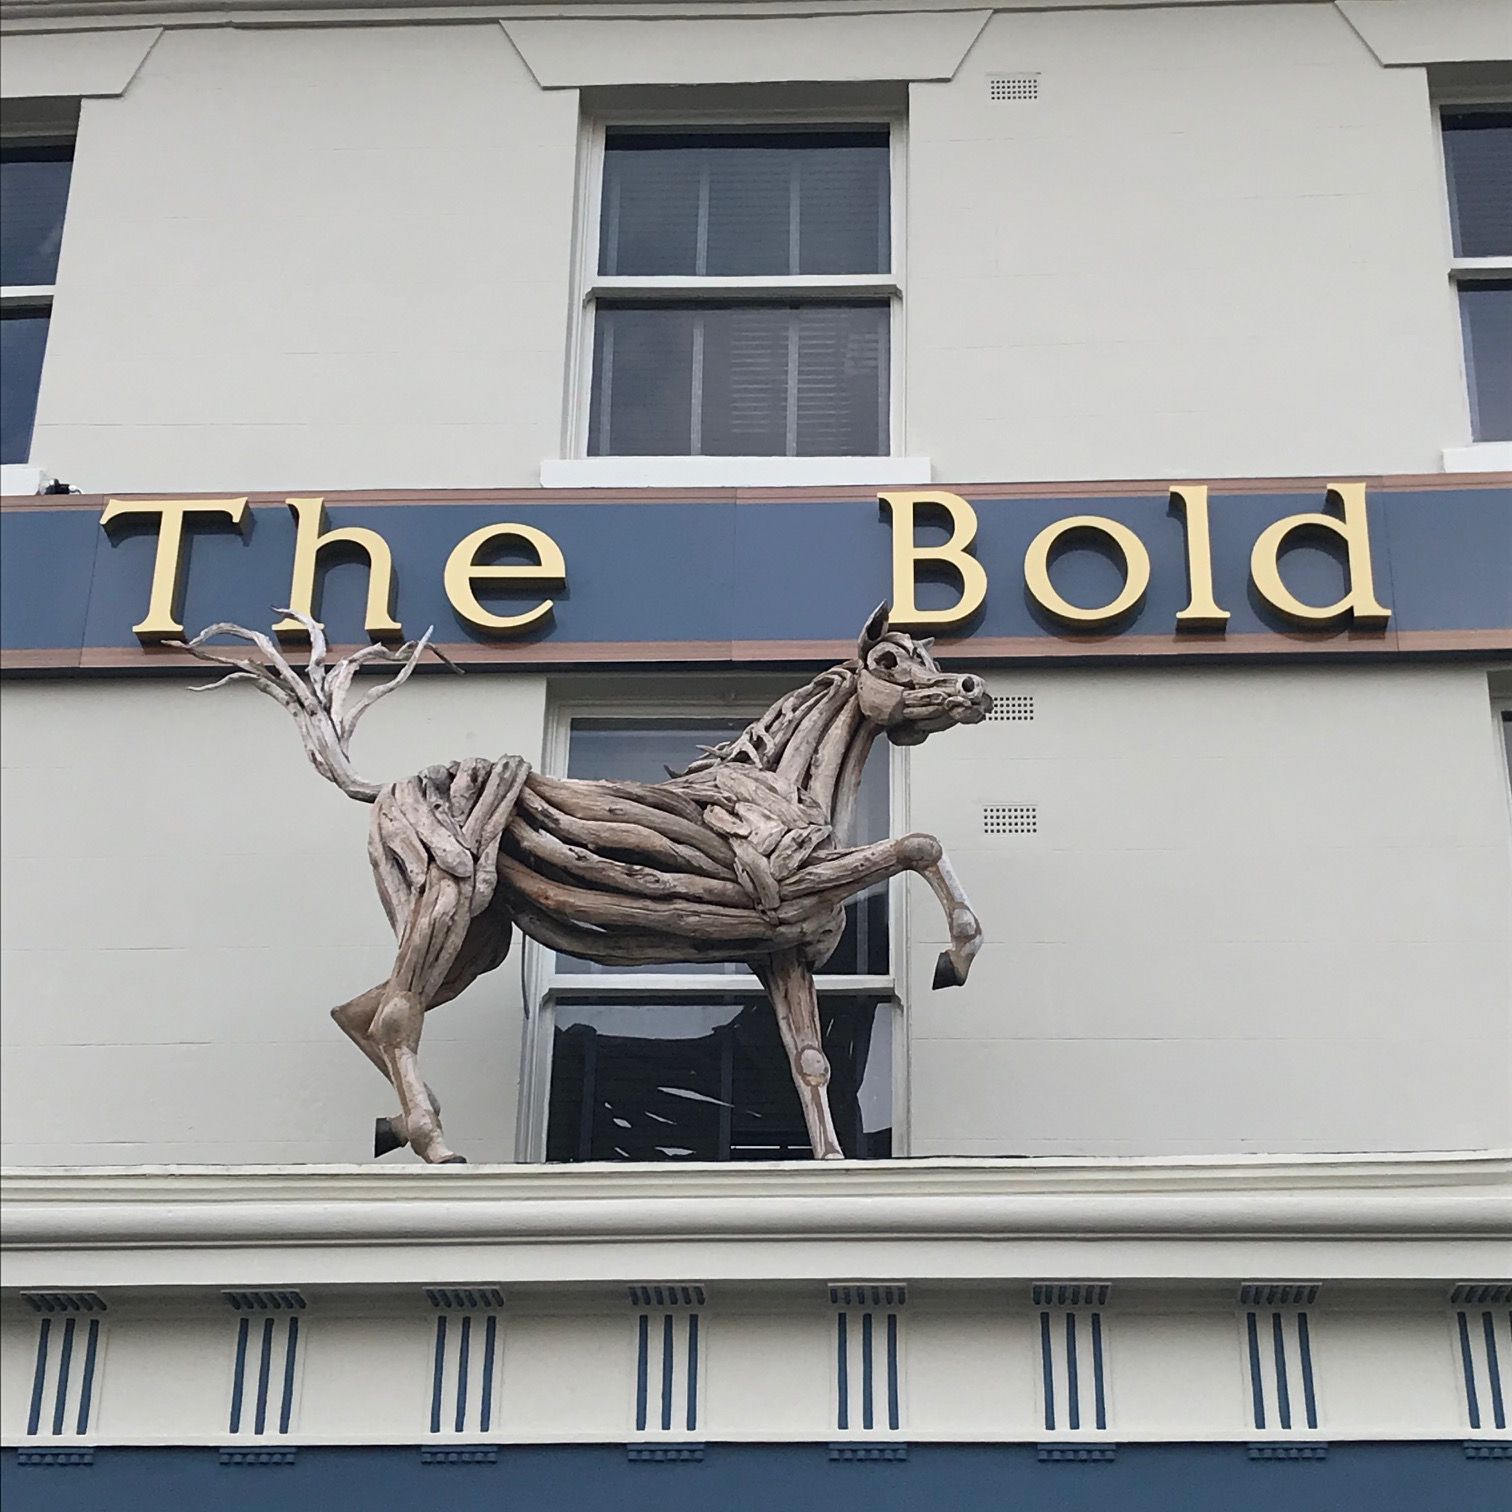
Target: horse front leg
(790, 985)
(849, 872)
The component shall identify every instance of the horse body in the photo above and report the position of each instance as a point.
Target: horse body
(738, 858)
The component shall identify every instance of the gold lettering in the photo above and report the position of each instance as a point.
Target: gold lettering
(310, 539)
(1354, 530)
(1202, 611)
(1136, 569)
(462, 570)
(166, 595)
(907, 554)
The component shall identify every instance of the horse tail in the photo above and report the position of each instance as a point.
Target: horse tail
(318, 697)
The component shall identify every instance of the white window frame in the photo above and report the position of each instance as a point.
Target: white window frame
(1477, 456)
(26, 477)
(590, 286)
(545, 987)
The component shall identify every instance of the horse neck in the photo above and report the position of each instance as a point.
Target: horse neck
(818, 739)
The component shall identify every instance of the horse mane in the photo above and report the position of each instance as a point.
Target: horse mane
(761, 743)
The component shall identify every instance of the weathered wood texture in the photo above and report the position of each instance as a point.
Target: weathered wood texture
(737, 859)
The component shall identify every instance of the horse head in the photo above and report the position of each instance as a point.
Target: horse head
(901, 687)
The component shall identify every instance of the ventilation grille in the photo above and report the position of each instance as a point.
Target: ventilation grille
(464, 1298)
(868, 1294)
(1070, 1293)
(668, 1294)
(265, 1301)
(1279, 1293)
(1011, 706)
(1482, 1293)
(1010, 819)
(1001, 87)
(64, 1302)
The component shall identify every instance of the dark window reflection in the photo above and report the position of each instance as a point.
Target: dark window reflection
(642, 750)
(23, 340)
(709, 1080)
(1486, 314)
(745, 204)
(1478, 155)
(33, 197)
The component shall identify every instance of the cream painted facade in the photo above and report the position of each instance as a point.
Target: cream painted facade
(1244, 1014)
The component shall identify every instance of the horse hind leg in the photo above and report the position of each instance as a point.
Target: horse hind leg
(790, 985)
(355, 1019)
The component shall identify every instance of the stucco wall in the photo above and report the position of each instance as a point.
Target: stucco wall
(1263, 910)
(184, 901)
(318, 257)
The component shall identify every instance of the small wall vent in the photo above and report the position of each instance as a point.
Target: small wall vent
(1279, 1293)
(868, 1294)
(1070, 1293)
(464, 1298)
(1010, 819)
(64, 1302)
(1005, 87)
(668, 1294)
(1481, 1293)
(1011, 706)
(264, 1301)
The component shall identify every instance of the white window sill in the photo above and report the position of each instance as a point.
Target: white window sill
(22, 478)
(733, 472)
(1483, 456)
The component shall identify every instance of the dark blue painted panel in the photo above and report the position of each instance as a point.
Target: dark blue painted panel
(764, 570)
(787, 1478)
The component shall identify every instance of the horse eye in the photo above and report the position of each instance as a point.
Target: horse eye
(887, 659)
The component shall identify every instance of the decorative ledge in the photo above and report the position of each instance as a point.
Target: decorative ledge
(1488, 1448)
(853, 1452)
(257, 1456)
(1077, 1454)
(54, 1458)
(486, 1454)
(736, 472)
(1312, 1451)
(664, 1454)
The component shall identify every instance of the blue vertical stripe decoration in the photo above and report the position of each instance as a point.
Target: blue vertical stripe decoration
(39, 1378)
(264, 1371)
(1257, 1390)
(1047, 1370)
(893, 1415)
(1467, 1361)
(65, 1363)
(86, 1389)
(1493, 1372)
(438, 1373)
(867, 1419)
(1073, 1391)
(666, 1380)
(1099, 1381)
(490, 1336)
(692, 1371)
(243, 1324)
(1309, 1391)
(842, 1372)
(1283, 1395)
(464, 1346)
(291, 1354)
(642, 1371)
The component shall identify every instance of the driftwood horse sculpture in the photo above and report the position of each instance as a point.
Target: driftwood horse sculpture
(735, 859)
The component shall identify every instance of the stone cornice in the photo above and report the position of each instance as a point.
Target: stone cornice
(1392, 1217)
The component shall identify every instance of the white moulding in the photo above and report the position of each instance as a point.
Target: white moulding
(735, 472)
(1483, 456)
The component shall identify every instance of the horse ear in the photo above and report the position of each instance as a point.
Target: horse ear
(874, 629)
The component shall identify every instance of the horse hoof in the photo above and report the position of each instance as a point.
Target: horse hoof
(384, 1138)
(452, 1160)
(946, 974)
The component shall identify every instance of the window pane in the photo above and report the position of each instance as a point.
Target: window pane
(728, 204)
(1478, 150)
(709, 1080)
(642, 750)
(1486, 313)
(33, 195)
(740, 380)
(23, 339)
